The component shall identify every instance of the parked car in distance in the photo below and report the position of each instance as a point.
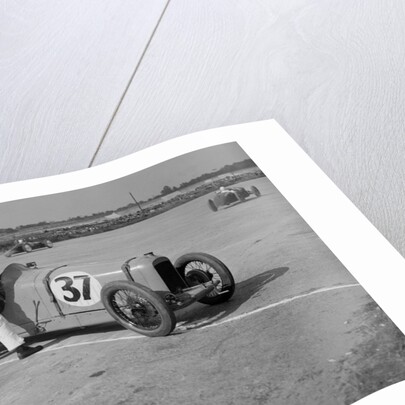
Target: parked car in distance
(27, 246)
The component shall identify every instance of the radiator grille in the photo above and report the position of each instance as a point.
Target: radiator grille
(169, 274)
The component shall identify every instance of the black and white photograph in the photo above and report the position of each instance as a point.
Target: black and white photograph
(188, 282)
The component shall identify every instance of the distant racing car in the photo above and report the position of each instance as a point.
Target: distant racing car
(230, 195)
(27, 246)
(142, 295)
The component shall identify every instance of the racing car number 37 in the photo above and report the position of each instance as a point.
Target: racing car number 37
(76, 288)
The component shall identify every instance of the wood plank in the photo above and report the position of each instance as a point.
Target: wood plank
(63, 68)
(330, 72)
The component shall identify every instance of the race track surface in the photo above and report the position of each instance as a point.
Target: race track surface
(281, 339)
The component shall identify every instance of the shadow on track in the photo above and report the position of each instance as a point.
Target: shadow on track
(252, 287)
(201, 316)
(54, 338)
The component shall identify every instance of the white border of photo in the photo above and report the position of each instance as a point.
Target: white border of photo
(376, 265)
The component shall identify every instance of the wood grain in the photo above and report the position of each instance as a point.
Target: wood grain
(63, 68)
(330, 72)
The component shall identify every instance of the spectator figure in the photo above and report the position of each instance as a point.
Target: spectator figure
(8, 337)
(13, 342)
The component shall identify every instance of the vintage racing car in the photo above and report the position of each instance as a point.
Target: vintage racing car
(230, 195)
(142, 295)
(27, 246)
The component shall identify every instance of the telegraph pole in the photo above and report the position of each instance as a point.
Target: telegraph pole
(136, 202)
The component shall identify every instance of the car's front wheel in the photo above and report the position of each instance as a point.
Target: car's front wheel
(198, 268)
(255, 191)
(138, 308)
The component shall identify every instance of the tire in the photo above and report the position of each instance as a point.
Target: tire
(255, 191)
(212, 205)
(27, 248)
(48, 244)
(146, 312)
(197, 268)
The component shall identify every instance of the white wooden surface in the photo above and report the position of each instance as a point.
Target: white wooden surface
(330, 71)
(63, 68)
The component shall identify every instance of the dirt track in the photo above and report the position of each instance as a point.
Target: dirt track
(290, 353)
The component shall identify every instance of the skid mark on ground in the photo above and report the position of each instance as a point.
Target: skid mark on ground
(201, 325)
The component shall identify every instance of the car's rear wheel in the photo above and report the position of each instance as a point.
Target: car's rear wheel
(212, 205)
(255, 191)
(27, 248)
(198, 268)
(138, 308)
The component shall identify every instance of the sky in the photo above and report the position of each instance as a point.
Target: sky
(115, 194)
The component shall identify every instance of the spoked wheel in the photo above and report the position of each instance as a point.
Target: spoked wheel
(255, 191)
(138, 308)
(198, 268)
